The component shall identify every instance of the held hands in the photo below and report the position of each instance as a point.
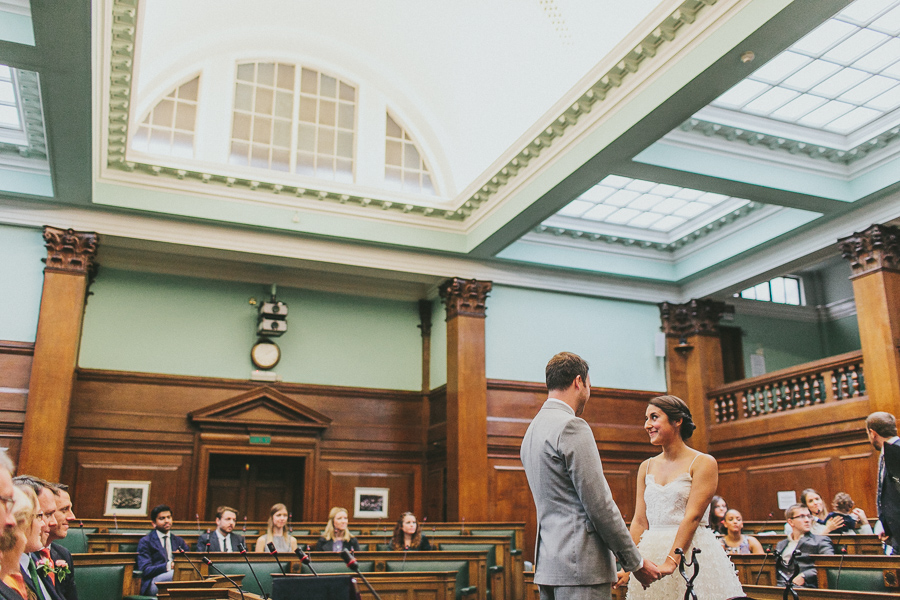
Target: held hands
(668, 567)
(648, 573)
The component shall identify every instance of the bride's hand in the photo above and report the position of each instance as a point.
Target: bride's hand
(623, 577)
(667, 568)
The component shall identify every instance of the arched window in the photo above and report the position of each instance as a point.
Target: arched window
(294, 120)
(169, 126)
(404, 166)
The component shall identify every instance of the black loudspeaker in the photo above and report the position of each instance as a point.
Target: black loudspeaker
(306, 587)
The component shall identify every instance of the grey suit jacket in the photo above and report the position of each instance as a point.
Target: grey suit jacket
(580, 528)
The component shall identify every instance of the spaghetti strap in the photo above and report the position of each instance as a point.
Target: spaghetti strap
(691, 466)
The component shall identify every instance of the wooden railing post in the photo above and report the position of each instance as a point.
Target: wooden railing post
(874, 256)
(694, 358)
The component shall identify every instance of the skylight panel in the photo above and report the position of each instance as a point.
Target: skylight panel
(855, 46)
(871, 88)
(711, 198)
(811, 74)
(889, 23)
(616, 181)
(665, 190)
(599, 212)
(863, 11)
(646, 202)
(669, 205)
(622, 198)
(839, 83)
(741, 94)
(824, 37)
(888, 101)
(826, 113)
(691, 209)
(780, 67)
(853, 120)
(9, 117)
(622, 216)
(645, 220)
(882, 56)
(575, 208)
(9, 103)
(598, 193)
(771, 100)
(639, 185)
(688, 194)
(667, 223)
(798, 107)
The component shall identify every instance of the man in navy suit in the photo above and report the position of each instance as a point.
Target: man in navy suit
(155, 551)
(223, 539)
(881, 427)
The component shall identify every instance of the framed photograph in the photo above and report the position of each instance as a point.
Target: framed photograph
(370, 503)
(127, 498)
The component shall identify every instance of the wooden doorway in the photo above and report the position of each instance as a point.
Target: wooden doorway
(253, 483)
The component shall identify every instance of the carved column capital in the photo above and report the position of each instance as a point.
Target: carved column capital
(873, 249)
(465, 297)
(691, 318)
(70, 251)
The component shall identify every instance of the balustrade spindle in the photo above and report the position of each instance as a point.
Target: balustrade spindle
(854, 382)
(744, 408)
(807, 397)
(717, 405)
(779, 403)
(835, 375)
(770, 401)
(845, 388)
(795, 400)
(817, 392)
(731, 412)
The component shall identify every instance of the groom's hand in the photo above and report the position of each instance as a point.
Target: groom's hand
(647, 574)
(621, 579)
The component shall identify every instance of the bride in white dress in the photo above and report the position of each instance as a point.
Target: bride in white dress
(672, 511)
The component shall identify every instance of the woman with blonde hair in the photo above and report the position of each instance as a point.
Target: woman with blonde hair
(277, 531)
(336, 536)
(16, 542)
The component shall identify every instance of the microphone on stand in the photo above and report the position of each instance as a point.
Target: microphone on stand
(210, 564)
(190, 562)
(843, 552)
(245, 524)
(116, 521)
(208, 534)
(290, 522)
(304, 558)
(274, 552)
(199, 530)
(763, 567)
(243, 550)
(350, 561)
(405, 550)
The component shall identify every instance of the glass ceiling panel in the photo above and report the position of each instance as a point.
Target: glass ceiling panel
(842, 76)
(645, 205)
(9, 102)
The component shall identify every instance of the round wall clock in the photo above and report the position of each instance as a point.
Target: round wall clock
(265, 354)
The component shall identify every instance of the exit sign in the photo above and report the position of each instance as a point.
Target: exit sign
(260, 439)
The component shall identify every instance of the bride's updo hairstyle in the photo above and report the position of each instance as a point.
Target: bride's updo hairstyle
(676, 409)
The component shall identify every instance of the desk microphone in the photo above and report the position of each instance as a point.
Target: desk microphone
(208, 535)
(304, 559)
(210, 564)
(350, 561)
(199, 530)
(274, 552)
(290, 522)
(243, 550)
(245, 524)
(763, 567)
(405, 550)
(193, 566)
(843, 552)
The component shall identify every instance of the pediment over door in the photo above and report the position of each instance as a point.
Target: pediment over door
(260, 410)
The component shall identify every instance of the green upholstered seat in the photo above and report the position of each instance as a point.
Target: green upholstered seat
(128, 547)
(76, 540)
(100, 582)
(492, 532)
(460, 566)
(489, 549)
(337, 566)
(263, 570)
(858, 580)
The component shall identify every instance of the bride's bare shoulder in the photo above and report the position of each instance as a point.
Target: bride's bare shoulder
(705, 462)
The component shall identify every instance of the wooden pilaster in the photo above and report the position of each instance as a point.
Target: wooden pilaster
(874, 256)
(694, 358)
(467, 464)
(70, 266)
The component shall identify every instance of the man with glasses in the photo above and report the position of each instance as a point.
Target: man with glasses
(64, 517)
(44, 585)
(805, 543)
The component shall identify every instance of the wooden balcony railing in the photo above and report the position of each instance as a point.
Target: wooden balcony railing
(828, 380)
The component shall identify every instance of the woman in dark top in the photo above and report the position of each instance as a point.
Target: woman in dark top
(717, 509)
(337, 536)
(407, 535)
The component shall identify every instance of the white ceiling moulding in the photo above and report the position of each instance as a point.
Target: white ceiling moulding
(16, 7)
(122, 35)
(267, 248)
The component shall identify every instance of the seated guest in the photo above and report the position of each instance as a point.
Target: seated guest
(223, 539)
(821, 525)
(156, 551)
(854, 519)
(65, 585)
(800, 520)
(37, 572)
(337, 536)
(717, 509)
(407, 535)
(12, 546)
(734, 541)
(277, 532)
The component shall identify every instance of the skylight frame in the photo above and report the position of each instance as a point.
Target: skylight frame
(15, 135)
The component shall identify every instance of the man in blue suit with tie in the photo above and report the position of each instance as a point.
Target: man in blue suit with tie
(881, 427)
(156, 550)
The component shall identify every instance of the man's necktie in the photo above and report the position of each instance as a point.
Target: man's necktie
(880, 481)
(32, 570)
(167, 544)
(228, 543)
(45, 552)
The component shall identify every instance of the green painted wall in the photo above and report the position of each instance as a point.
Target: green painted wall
(843, 335)
(524, 328)
(186, 326)
(784, 343)
(21, 282)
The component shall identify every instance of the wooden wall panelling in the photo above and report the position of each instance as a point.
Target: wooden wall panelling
(341, 478)
(15, 371)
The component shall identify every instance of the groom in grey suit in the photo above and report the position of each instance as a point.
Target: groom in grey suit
(580, 529)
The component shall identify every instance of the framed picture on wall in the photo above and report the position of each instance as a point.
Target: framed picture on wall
(370, 503)
(127, 498)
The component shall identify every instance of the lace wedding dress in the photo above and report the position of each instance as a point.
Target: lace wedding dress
(666, 505)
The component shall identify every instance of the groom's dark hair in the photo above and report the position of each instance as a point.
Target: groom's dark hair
(563, 369)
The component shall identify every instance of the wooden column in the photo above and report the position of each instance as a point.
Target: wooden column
(70, 267)
(694, 358)
(874, 256)
(467, 464)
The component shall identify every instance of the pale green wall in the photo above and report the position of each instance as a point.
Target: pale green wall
(186, 326)
(785, 343)
(438, 343)
(524, 328)
(843, 335)
(21, 282)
